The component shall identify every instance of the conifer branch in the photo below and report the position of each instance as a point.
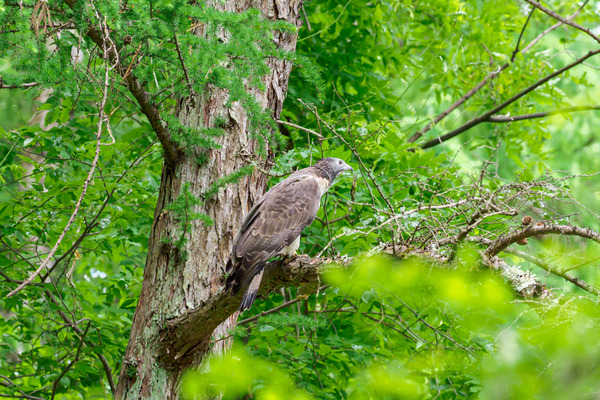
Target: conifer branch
(147, 106)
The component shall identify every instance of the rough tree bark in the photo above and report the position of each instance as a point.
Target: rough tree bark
(173, 285)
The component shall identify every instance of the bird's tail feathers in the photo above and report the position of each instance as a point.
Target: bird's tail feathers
(252, 291)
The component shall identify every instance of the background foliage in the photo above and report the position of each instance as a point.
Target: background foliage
(439, 327)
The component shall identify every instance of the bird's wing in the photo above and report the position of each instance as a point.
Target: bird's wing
(272, 224)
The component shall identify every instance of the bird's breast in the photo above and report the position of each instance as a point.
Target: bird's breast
(323, 184)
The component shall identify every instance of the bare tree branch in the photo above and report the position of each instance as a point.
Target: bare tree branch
(504, 241)
(517, 50)
(185, 70)
(101, 121)
(561, 111)
(22, 86)
(187, 334)
(457, 103)
(546, 266)
(317, 134)
(9, 383)
(22, 396)
(271, 311)
(553, 27)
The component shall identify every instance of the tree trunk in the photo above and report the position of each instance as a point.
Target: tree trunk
(174, 284)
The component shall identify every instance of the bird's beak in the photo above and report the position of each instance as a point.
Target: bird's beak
(348, 168)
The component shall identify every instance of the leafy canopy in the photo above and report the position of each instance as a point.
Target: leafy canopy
(367, 76)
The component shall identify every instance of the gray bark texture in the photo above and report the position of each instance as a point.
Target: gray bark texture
(175, 288)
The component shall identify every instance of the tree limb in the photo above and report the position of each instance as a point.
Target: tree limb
(545, 266)
(187, 335)
(485, 117)
(184, 336)
(489, 77)
(22, 86)
(561, 111)
(563, 20)
(504, 241)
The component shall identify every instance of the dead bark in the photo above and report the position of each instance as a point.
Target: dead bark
(174, 284)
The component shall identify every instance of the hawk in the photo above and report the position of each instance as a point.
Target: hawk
(273, 226)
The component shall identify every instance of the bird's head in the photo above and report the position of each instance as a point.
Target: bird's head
(331, 167)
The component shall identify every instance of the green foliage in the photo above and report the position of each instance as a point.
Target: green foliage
(234, 374)
(370, 75)
(410, 329)
(96, 281)
(403, 63)
(226, 180)
(169, 57)
(391, 67)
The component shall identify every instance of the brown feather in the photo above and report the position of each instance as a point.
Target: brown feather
(276, 220)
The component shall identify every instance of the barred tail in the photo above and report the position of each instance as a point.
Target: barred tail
(252, 291)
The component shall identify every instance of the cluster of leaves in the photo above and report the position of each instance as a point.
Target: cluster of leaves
(412, 330)
(396, 329)
(406, 62)
(392, 67)
(94, 281)
(79, 308)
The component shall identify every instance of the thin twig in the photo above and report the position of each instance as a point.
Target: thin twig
(83, 191)
(516, 50)
(22, 86)
(564, 20)
(317, 134)
(271, 311)
(185, 71)
(75, 359)
(568, 110)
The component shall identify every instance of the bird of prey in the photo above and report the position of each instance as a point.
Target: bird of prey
(273, 226)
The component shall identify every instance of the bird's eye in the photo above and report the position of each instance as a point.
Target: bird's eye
(339, 162)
